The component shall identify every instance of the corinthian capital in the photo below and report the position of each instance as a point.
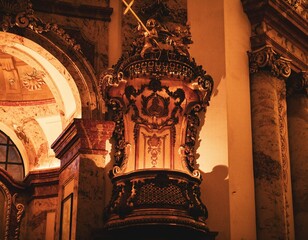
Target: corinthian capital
(266, 59)
(298, 83)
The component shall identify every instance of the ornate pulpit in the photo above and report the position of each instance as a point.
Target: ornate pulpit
(156, 94)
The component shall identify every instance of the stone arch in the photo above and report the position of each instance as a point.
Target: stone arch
(76, 65)
(70, 78)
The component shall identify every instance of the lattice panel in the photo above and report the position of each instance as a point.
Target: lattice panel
(169, 195)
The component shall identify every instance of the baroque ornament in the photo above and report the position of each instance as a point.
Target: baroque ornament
(156, 94)
(12, 215)
(19, 13)
(298, 84)
(267, 59)
(34, 80)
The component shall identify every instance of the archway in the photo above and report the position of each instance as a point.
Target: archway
(39, 98)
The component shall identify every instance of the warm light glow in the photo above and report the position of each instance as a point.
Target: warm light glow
(52, 127)
(61, 85)
(213, 137)
(58, 78)
(60, 82)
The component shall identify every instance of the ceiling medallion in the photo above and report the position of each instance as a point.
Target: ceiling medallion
(34, 80)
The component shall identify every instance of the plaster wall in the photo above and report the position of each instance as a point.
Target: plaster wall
(221, 46)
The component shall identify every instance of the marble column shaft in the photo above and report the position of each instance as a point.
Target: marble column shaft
(270, 144)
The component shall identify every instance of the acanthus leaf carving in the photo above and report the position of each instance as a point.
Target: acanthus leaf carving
(297, 83)
(267, 59)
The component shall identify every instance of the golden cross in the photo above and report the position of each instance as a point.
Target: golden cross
(129, 8)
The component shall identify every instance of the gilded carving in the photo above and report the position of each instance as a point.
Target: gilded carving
(155, 95)
(155, 105)
(294, 3)
(158, 191)
(117, 116)
(193, 122)
(12, 215)
(154, 148)
(8, 197)
(152, 103)
(267, 59)
(20, 209)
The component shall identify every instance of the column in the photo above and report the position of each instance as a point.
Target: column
(297, 100)
(270, 144)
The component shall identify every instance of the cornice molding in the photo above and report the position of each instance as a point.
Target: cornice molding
(281, 24)
(20, 14)
(266, 59)
(12, 184)
(42, 177)
(89, 135)
(300, 6)
(73, 10)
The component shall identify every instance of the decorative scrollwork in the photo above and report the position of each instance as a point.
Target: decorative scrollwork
(8, 205)
(12, 215)
(193, 122)
(116, 112)
(160, 191)
(294, 3)
(156, 92)
(21, 14)
(20, 209)
(267, 59)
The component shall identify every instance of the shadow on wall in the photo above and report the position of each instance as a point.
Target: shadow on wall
(215, 196)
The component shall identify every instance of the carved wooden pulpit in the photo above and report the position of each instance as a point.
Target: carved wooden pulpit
(156, 95)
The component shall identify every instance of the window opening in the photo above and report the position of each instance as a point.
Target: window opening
(10, 158)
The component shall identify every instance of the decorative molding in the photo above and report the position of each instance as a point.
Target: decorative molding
(300, 6)
(20, 210)
(284, 152)
(33, 81)
(8, 205)
(82, 136)
(266, 59)
(159, 191)
(20, 13)
(73, 10)
(297, 83)
(13, 210)
(281, 24)
(154, 94)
